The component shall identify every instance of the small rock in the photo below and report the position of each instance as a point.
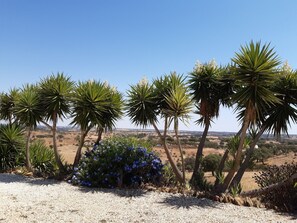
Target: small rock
(248, 202)
(238, 201)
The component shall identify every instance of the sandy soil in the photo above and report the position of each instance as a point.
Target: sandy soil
(37, 200)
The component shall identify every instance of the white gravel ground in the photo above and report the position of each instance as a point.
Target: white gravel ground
(37, 200)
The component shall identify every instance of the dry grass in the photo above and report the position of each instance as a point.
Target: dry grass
(68, 144)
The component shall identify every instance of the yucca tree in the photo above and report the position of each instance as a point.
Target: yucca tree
(279, 116)
(11, 145)
(94, 104)
(255, 69)
(113, 112)
(55, 93)
(209, 91)
(168, 99)
(7, 103)
(28, 113)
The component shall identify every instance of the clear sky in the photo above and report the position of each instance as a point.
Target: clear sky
(123, 41)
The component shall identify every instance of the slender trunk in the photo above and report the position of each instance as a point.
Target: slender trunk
(28, 162)
(99, 137)
(81, 144)
(180, 151)
(175, 169)
(233, 170)
(199, 154)
(270, 188)
(237, 178)
(57, 156)
(220, 170)
(222, 165)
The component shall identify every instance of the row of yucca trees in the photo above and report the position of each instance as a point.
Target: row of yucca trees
(263, 94)
(90, 104)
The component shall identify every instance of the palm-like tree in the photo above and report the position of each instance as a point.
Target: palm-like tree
(29, 113)
(254, 71)
(167, 98)
(278, 117)
(11, 145)
(94, 104)
(7, 103)
(209, 91)
(113, 112)
(55, 94)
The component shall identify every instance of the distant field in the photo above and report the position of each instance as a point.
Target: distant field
(68, 143)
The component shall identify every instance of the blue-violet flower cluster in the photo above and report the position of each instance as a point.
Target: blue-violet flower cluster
(118, 162)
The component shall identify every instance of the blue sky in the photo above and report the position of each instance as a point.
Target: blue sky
(123, 41)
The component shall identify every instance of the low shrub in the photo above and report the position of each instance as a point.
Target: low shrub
(283, 198)
(189, 163)
(211, 162)
(168, 176)
(11, 146)
(42, 159)
(118, 162)
(200, 183)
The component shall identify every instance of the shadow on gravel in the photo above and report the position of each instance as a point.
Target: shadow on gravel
(14, 178)
(189, 202)
(119, 192)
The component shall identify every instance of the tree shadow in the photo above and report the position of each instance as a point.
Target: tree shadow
(121, 192)
(188, 202)
(15, 178)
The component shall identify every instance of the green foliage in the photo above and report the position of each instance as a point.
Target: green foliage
(189, 163)
(211, 162)
(200, 183)
(261, 154)
(209, 144)
(118, 162)
(42, 159)
(168, 176)
(27, 107)
(285, 197)
(11, 146)
(55, 93)
(235, 190)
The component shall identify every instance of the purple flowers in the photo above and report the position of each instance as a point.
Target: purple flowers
(115, 162)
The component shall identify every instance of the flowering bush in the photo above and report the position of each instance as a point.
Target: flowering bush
(118, 162)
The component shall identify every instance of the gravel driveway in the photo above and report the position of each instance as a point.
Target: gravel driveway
(37, 200)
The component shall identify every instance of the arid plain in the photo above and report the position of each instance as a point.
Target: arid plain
(68, 143)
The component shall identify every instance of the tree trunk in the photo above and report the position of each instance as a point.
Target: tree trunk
(28, 162)
(236, 165)
(220, 169)
(81, 144)
(99, 138)
(175, 169)
(180, 151)
(237, 178)
(57, 156)
(270, 188)
(199, 154)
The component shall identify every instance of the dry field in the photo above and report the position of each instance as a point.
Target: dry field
(68, 142)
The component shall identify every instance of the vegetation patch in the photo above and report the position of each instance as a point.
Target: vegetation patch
(118, 162)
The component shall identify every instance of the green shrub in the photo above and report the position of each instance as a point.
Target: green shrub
(168, 176)
(11, 146)
(189, 163)
(118, 162)
(200, 183)
(211, 162)
(209, 144)
(261, 154)
(42, 159)
(283, 198)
